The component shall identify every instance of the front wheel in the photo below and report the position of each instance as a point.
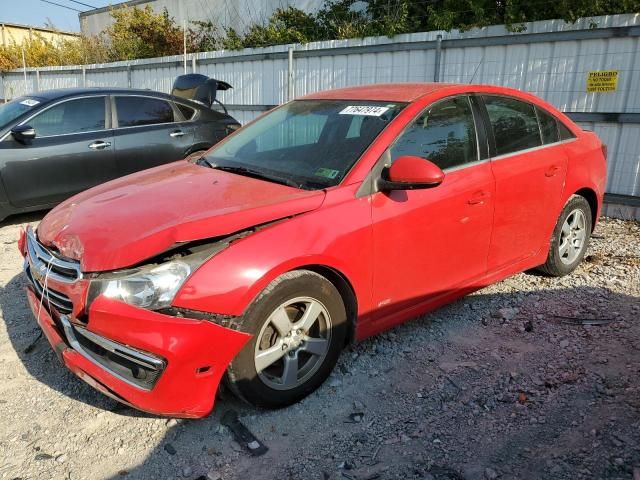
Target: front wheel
(570, 238)
(299, 326)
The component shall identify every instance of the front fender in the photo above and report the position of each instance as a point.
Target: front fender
(338, 235)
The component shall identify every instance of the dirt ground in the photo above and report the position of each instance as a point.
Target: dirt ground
(531, 378)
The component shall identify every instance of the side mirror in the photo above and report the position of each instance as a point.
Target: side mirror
(23, 133)
(410, 173)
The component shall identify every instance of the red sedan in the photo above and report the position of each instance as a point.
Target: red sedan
(329, 219)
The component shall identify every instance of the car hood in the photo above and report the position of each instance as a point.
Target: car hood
(125, 221)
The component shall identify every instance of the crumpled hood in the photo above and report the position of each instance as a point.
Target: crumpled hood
(128, 220)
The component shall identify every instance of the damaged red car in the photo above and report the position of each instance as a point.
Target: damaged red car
(326, 220)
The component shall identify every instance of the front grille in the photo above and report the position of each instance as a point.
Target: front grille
(41, 265)
(46, 262)
(48, 296)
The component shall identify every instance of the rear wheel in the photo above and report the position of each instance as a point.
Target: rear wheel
(570, 238)
(298, 325)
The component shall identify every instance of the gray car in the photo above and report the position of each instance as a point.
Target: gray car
(57, 143)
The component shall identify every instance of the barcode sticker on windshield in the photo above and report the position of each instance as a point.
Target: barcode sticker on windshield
(29, 102)
(369, 110)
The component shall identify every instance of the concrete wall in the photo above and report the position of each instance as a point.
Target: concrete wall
(236, 14)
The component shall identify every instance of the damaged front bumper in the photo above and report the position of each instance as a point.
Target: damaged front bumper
(159, 363)
(154, 362)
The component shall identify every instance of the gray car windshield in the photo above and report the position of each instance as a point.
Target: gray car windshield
(12, 110)
(310, 144)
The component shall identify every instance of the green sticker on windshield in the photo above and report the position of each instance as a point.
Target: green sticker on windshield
(327, 173)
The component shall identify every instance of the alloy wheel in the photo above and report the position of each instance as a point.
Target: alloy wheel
(572, 237)
(293, 343)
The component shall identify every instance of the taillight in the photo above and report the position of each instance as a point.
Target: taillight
(604, 150)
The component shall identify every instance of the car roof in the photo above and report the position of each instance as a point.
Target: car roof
(57, 94)
(410, 92)
(393, 92)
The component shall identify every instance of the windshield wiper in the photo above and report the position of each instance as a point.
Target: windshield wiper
(255, 174)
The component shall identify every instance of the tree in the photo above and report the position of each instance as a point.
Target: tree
(290, 25)
(142, 33)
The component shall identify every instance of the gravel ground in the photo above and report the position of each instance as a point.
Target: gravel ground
(511, 382)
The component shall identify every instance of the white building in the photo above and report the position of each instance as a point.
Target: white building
(236, 14)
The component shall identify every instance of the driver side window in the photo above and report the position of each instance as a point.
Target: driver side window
(444, 134)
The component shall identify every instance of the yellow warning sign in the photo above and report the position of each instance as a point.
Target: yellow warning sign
(602, 81)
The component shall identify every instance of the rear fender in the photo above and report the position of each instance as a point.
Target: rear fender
(587, 169)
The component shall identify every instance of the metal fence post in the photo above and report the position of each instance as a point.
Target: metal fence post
(194, 62)
(84, 76)
(4, 88)
(290, 78)
(37, 79)
(128, 76)
(436, 68)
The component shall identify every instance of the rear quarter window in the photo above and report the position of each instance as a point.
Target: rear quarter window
(564, 132)
(548, 127)
(187, 112)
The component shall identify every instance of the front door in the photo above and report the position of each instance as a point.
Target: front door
(72, 151)
(430, 242)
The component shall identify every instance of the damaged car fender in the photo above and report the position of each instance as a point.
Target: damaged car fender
(228, 282)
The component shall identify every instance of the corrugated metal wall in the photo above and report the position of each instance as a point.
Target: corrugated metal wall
(550, 59)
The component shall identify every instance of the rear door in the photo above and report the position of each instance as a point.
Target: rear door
(72, 151)
(529, 164)
(150, 131)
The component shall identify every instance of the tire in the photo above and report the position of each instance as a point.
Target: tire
(573, 228)
(284, 339)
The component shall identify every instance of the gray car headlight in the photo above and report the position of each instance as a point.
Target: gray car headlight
(152, 289)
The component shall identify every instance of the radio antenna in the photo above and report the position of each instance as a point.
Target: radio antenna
(477, 68)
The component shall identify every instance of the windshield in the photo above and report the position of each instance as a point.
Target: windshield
(15, 108)
(309, 144)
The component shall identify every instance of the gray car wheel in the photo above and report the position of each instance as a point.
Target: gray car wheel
(570, 238)
(298, 326)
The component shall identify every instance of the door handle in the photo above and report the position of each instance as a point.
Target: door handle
(552, 171)
(99, 145)
(478, 198)
(177, 133)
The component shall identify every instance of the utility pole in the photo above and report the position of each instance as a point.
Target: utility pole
(24, 69)
(184, 45)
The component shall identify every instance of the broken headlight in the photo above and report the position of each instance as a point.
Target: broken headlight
(151, 288)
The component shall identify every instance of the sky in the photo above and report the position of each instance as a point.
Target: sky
(38, 12)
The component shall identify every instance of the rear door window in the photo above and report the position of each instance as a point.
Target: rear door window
(444, 134)
(137, 111)
(73, 116)
(514, 123)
